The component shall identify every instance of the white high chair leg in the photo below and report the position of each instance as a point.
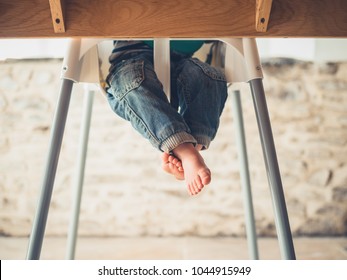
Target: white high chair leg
(274, 177)
(72, 59)
(244, 174)
(243, 65)
(80, 168)
(57, 132)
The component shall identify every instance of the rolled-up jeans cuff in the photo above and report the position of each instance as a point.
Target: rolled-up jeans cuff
(204, 141)
(176, 139)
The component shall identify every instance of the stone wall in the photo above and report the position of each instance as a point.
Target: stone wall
(127, 194)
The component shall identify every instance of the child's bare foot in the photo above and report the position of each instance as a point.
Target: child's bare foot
(172, 165)
(196, 173)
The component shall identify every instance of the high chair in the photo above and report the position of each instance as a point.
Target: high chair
(87, 60)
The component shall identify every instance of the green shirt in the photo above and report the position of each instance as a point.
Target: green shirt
(182, 46)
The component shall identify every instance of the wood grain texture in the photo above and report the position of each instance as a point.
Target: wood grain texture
(173, 18)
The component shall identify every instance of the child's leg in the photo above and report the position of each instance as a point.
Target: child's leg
(202, 92)
(137, 95)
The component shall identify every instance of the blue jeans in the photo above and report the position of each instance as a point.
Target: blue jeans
(198, 91)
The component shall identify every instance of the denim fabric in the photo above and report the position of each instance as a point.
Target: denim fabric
(198, 91)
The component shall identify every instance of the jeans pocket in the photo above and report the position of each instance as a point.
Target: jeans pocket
(127, 77)
(210, 71)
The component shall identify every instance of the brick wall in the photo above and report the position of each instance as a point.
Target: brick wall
(127, 194)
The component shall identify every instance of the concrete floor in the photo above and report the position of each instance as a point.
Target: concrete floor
(175, 248)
